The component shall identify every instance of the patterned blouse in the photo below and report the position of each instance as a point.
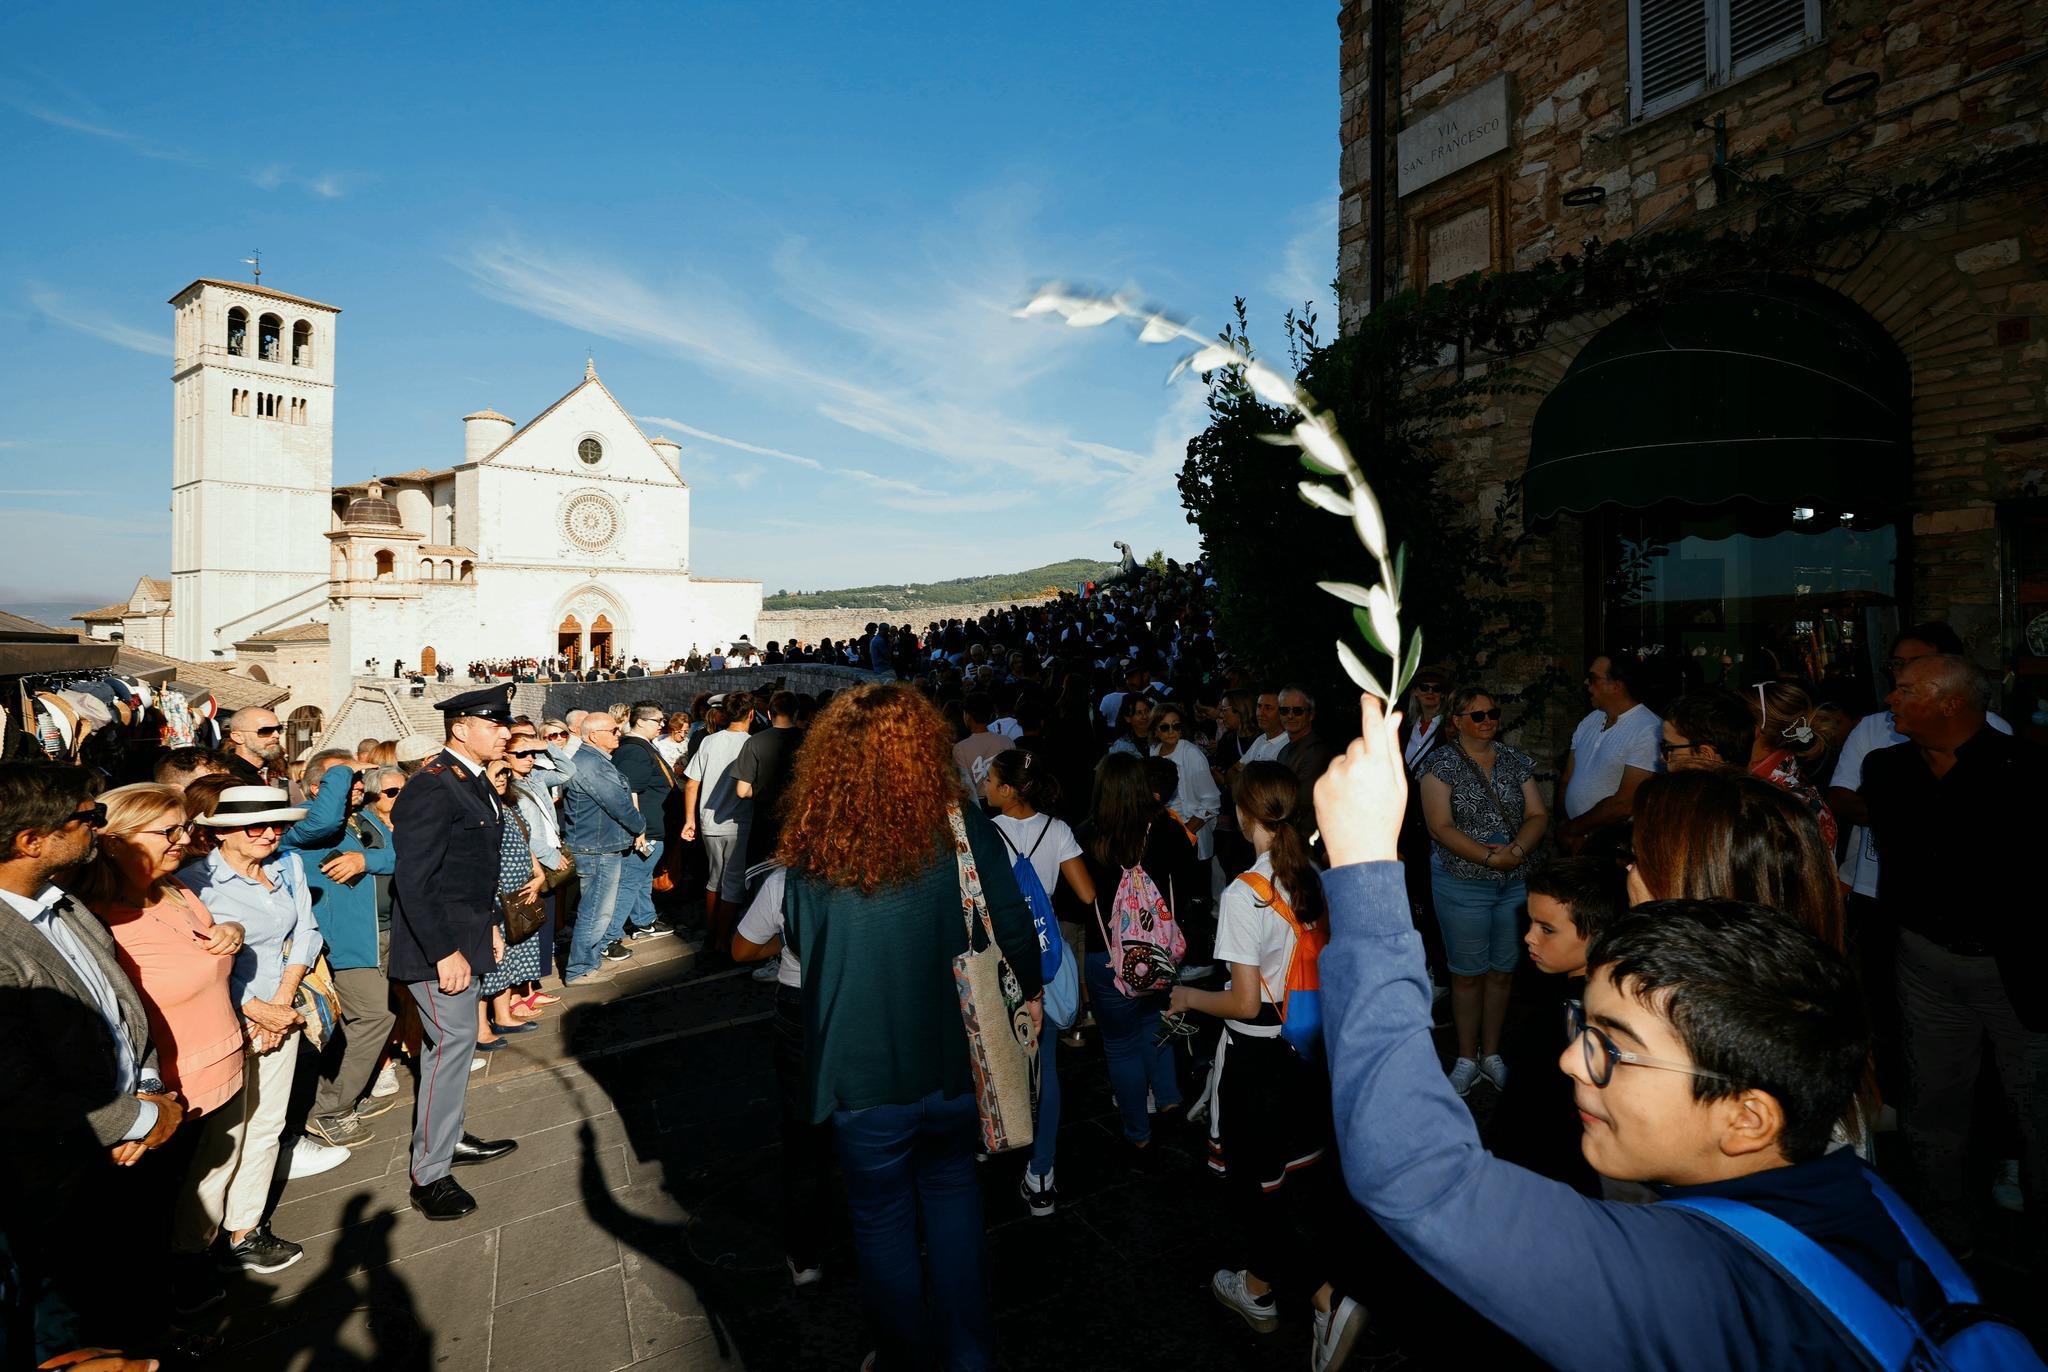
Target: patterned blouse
(1781, 769)
(1476, 816)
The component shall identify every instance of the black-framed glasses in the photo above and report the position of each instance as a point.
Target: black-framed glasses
(1667, 749)
(1602, 1054)
(1430, 688)
(93, 816)
(390, 791)
(530, 752)
(1171, 726)
(268, 731)
(1482, 716)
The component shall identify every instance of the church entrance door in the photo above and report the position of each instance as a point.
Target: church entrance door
(427, 661)
(601, 642)
(569, 643)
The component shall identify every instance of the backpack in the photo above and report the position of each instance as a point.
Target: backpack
(1146, 945)
(1301, 998)
(1062, 983)
(1964, 1335)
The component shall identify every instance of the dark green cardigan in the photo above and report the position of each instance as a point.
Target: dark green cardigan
(881, 1016)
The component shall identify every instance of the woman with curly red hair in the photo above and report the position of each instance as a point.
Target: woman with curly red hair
(872, 910)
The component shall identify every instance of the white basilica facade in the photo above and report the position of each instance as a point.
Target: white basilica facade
(566, 537)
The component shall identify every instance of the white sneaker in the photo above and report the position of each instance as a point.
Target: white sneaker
(803, 1276)
(387, 1081)
(1231, 1293)
(1463, 1073)
(310, 1157)
(476, 1064)
(1337, 1331)
(1496, 1070)
(1195, 972)
(768, 971)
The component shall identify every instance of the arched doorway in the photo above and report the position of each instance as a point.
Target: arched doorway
(427, 660)
(1740, 457)
(601, 642)
(301, 727)
(569, 642)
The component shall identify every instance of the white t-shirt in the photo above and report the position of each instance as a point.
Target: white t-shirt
(1256, 935)
(1601, 752)
(763, 923)
(719, 806)
(1872, 732)
(1056, 843)
(1264, 749)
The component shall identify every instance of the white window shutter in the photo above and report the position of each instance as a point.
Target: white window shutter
(1669, 53)
(1762, 31)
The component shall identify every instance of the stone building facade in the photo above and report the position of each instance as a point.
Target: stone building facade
(1514, 130)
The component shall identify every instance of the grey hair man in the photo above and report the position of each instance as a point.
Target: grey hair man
(1958, 811)
(255, 751)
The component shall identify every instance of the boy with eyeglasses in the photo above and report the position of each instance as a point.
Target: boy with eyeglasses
(1716, 1045)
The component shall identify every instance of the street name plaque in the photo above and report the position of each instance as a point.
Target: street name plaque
(1453, 136)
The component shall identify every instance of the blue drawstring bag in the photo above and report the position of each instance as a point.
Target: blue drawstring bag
(1055, 965)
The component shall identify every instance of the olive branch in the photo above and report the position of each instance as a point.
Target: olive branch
(1376, 609)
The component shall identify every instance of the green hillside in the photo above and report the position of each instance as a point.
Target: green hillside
(1031, 585)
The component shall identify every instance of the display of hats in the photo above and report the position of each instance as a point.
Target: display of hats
(417, 747)
(91, 708)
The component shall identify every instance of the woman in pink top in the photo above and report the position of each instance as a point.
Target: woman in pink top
(179, 960)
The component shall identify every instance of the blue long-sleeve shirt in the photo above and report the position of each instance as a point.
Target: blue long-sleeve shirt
(347, 912)
(271, 917)
(1583, 1283)
(325, 815)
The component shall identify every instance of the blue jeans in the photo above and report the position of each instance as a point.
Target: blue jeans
(1481, 932)
(596, 911)
(1136, 1063)
(636, 889)
(1045, 1139)
(903, 1162)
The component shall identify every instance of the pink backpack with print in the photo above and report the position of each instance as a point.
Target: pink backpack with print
(1144, 939)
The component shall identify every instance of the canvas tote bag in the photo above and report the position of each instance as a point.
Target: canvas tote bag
(1002, 1047)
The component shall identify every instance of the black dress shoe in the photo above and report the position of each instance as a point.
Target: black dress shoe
(470, 1149)
(443, 1200)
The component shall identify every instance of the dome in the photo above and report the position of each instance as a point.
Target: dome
(372, 510)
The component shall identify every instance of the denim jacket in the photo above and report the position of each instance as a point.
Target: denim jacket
(598, 811)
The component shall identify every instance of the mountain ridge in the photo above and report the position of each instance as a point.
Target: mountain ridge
(1032, 584)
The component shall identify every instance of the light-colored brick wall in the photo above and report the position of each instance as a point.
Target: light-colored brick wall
(1964, 292)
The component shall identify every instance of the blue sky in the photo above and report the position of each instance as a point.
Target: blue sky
(790, 234)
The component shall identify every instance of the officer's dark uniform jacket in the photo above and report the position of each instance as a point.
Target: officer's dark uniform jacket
(445, 887)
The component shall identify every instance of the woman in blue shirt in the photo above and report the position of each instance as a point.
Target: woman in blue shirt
(247, 880)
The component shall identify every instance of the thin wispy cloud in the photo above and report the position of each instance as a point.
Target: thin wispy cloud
(53, 306)
(897, 493)
(66, 109)
(1309, 262)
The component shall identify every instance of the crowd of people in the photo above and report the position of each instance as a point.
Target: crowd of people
(1262, 933)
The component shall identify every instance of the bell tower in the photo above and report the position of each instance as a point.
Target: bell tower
(252, 466)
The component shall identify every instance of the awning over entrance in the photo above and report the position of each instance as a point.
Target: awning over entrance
(1780, 391)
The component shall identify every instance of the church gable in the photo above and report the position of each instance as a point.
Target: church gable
(587, 435)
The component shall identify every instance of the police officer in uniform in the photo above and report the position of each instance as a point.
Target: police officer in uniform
(445, 934)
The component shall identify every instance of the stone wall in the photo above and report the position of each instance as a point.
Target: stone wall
(808, 626)
(1962, 292)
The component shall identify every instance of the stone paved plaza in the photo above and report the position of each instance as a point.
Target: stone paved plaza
(636, 1226)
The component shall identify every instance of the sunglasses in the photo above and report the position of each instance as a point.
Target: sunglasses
(1293, 709)
(93, 817)
(267, 826)
(1482, 716)
(529, 752)
(1430, 687)
(1171, 727)
(389, 791)
(268, 731)
(558, 737)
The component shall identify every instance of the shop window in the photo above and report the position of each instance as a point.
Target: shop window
(1738, 594)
